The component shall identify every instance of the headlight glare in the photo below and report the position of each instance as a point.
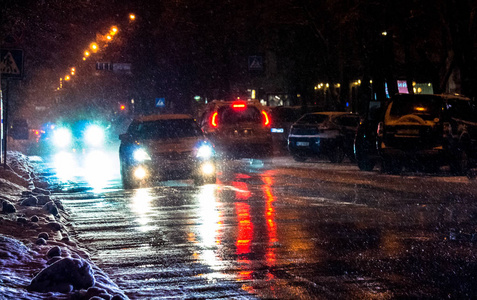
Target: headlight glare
(62, 137)
(208, 168)
(140, 173)
(94, 135)
(205, 151)
(141, 155)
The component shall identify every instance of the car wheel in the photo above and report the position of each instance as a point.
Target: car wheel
(337, 155)
(365, 163)
(391, 166)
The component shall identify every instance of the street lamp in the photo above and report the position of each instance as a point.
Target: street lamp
(114, 30)
(94, 47)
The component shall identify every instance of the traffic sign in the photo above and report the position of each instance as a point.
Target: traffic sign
(255, 63)
(11, 63)
(160, 102)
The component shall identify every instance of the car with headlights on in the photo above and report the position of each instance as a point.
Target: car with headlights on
(328, 134)
(238, 128)
(77, 136)
(163, 147)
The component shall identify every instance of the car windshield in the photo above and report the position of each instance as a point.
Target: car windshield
(164, 129)
(229, 115)
(312, 119)
(426, 107)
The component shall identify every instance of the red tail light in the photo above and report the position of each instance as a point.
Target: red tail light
(266, 119)
(239, 105)
(213, 119)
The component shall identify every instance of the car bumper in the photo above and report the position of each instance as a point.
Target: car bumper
(152, 171)
(313, 146)
(420, 154)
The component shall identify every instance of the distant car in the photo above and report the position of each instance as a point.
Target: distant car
(428, 131)
(72, 136)
(239, 129)
(162, 147)
(323, 133)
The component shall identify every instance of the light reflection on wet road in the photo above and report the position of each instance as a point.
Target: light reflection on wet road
(284, 230)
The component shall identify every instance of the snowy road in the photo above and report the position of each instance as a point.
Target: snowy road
(284, 230)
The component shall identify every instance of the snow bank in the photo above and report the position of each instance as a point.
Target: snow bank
(38, 259)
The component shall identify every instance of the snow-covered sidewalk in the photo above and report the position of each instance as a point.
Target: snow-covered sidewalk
(38, 258)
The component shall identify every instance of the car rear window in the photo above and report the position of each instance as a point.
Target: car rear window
(312, 119)
(426, 107)
(229, 115)
(165, 129)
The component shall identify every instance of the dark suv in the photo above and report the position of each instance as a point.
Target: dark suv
(427, 131)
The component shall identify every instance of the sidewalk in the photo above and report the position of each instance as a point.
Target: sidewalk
(38, 258)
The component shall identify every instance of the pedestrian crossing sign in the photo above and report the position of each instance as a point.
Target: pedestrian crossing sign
(255, 63)
(160, 102)
(11, 63)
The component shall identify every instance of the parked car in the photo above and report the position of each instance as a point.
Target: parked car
(323, 133)
(283, 118)
(428, 131)
(238, 129)
(161, 147)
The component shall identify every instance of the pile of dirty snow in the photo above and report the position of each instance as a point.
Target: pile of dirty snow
(38, 259)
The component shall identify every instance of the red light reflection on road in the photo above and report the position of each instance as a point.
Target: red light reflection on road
(245, 228)
(241, 190)
(270, 219)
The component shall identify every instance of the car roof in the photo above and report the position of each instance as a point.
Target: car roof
(150, 118)
(230, 102)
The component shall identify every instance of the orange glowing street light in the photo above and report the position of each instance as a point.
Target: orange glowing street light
(94, 47)
(114, 30)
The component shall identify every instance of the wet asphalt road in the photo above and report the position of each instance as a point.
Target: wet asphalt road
(284, 230)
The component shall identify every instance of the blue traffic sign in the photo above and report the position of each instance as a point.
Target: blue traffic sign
(160, 102)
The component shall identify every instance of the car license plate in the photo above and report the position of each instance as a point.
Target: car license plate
(408, 131)
(303, 144)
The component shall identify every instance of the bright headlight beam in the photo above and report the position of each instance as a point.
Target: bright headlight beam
(141, 155)
(208, 169)
(94, 135)
(205, 151)
(62, 137)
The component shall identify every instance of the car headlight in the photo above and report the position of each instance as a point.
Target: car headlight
(141, 155)
(62, 137)
(205, 151)
(94, 135)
